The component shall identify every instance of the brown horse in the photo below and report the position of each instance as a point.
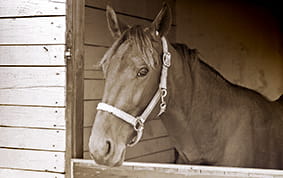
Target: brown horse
(210, 120)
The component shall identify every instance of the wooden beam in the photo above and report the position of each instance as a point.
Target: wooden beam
(88, 169)
(75, 84)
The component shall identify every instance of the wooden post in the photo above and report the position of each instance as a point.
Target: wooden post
(75, 85)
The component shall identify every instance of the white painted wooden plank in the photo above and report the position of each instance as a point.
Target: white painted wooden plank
(32, 55)
(41, 139)
(38, 30)
(8, 173)
(10, 8)
(39, 117)
(42, 96)
(32, 160)
(32, 77)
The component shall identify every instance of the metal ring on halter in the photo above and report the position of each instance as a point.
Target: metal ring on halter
(139, 125)
(163, 92)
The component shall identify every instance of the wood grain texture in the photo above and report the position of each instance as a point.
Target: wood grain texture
(145, 9)
(47, 55)
(36, 117)
(166, 156)
(33, 86)
(41, 96)
(88, 169)
(12, 8)
(38, 30)
(93, 74)
(93, 55)
(89, 113)
(93, 89)
(26, 138)
(8, 173)
(96, 19)
(32, 160)
(32, 77)
(147, 147)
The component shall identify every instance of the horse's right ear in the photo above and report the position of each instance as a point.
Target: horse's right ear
(162, 22)
(115, 26)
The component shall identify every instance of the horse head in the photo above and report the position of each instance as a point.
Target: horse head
(132, 68)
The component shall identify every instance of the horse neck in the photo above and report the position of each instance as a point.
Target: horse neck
(189, 84)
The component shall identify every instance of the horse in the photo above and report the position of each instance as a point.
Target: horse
(209, 120)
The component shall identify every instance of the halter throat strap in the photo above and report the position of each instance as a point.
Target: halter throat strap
(138, 122)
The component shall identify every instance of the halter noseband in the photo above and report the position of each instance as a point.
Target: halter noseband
(138, 122)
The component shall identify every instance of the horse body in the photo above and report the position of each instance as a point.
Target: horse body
(210, 120)
(214, 122)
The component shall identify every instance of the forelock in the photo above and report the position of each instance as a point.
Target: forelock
(140, 37)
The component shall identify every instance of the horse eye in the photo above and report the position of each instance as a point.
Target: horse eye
(143, 71)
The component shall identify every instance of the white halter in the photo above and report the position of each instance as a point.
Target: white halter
(138, 122)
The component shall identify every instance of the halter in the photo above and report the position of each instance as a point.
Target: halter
(138, 122)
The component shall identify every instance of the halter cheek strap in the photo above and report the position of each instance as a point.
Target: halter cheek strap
(138, 122)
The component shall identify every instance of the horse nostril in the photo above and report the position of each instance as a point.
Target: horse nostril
(108, 147)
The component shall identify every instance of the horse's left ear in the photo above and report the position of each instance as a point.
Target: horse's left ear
(162, 22)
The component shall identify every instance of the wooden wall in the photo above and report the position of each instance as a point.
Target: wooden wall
(155, 145)
(32, 88)
(243, 40)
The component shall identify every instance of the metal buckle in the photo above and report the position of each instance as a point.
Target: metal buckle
(167, 59)
(139, 126)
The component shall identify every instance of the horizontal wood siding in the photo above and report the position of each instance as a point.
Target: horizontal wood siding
(88, 169)
(37, 30)
(14, 8)
(32, 117)
(155, 145)
(43, 55)
(32, 88)
(32, 159)
(42, 139)
(29, 174)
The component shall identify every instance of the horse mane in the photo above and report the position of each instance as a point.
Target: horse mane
(140, 37)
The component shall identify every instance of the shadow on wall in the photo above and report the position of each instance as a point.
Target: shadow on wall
(243, 40)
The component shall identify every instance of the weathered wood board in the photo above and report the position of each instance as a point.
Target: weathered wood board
(32, 160)
(15, 8)
(93, 55)
(39, 55)
(143, 9)
(88, 169)
(8, 173)
(93, 89)
(32, 77)
(101, 36)
(33, 117)
(26, 138)
(45, 96)
(37, 30)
